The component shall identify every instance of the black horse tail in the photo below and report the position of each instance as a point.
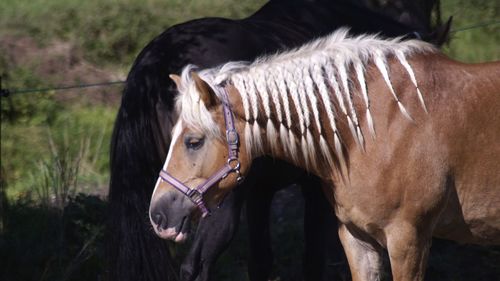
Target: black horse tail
(138, 148)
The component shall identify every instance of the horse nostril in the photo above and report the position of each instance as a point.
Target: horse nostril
(160, 220)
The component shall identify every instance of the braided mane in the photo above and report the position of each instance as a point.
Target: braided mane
(300, 81)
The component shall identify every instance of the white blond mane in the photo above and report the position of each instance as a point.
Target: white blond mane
(301, 80)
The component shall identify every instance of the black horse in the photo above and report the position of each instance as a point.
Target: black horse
(142, 134)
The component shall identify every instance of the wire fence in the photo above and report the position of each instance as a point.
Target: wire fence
(8, 92)
(475, 26)
(5, 92)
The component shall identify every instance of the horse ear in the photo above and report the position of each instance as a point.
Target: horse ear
(206, 94)
(441, 33)
(177, 80)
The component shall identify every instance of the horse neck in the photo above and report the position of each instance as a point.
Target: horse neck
(314, 122)
(291, 136)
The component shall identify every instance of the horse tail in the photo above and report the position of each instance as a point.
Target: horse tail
(138, 147)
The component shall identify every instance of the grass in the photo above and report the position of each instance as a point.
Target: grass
(110, 31)
(107, 34)
(32, 144)
(474, 45)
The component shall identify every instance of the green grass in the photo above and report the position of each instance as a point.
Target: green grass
(26, 145)
(113, 31)
(478, 44)
(110, 31)
(106, 33)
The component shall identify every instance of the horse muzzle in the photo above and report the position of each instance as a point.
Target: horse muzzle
(170, 216)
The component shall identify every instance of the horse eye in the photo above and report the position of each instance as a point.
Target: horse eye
(194, 143)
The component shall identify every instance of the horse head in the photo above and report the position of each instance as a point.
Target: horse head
(203, 164)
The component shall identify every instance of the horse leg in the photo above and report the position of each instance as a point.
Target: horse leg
(324, 257)
(213, 235)
(408, 251)
(260, 263)
(363, 255)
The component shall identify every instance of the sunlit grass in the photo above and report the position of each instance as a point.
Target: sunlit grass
(478, 44)
(26, 146)
(110, 31)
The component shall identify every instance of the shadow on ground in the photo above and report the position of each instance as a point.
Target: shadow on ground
(44, 243)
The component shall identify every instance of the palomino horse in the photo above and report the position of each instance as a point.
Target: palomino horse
(404, 139)
(142, 133)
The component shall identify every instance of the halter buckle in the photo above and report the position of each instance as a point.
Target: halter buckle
(195, 195)
(232, 137)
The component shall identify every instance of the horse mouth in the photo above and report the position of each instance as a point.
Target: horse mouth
(183, 230)
(178, 233)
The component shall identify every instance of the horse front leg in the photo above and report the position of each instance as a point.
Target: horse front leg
(363, 254)
(408, 249)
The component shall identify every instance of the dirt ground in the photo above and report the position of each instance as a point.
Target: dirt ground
(60, 63)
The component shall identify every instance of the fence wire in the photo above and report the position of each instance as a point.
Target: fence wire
(8, 92)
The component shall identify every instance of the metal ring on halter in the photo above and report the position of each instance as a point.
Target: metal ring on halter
(235, 168)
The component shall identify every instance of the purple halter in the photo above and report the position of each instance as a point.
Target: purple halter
(232, 165)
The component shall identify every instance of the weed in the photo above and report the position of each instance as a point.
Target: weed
(59, 175)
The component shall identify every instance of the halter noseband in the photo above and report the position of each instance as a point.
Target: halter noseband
(232, 165)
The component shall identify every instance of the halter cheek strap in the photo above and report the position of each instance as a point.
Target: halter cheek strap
(232, 165)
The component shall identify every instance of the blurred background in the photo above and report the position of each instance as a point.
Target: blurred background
(55, 145)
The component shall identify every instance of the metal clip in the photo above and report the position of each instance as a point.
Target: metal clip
(240, 178)
(232, 137)
(195, 196)
(231, 160)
